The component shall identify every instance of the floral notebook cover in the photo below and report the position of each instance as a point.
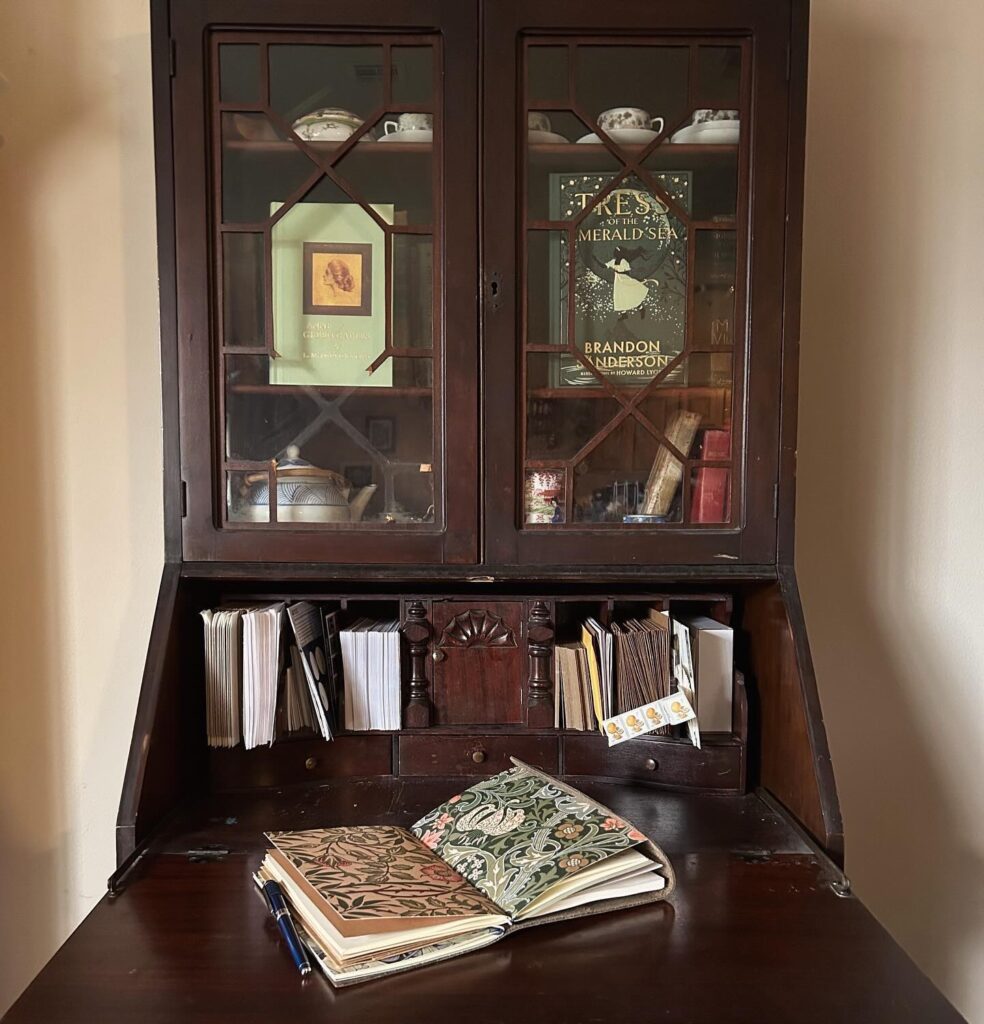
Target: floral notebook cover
(515, 835)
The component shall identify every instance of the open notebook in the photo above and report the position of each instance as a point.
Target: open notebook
(515, 850)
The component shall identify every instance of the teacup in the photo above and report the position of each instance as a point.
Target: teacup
(409, 123)
(537, 121)
(707, 116)
(629, 117)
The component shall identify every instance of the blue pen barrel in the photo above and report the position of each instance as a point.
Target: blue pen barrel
(281, 914)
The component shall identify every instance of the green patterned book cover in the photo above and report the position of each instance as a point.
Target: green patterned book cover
(630, 278)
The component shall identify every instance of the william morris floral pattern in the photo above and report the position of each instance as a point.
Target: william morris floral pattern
(516, 834)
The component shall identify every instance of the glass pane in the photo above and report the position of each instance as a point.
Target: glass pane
(546, 289)
(413, 75)
(719, 76)
(561, 421)
(345, 276)
(239, 73)
(260, 168)
(397, 171)
(715, 263)
(625, 87)
(243, 290)
(651, 298)
(547, 74)
(413, 291)
(244, 494)
(345, 83)
(365, 437)
(629, 474)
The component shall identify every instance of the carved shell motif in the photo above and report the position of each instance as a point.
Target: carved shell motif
(477, 629)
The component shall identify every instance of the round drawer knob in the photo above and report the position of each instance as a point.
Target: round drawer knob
(311, 763)
(478, 756)
(651, 765)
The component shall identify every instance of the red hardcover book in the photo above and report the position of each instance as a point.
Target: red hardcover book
(711, 500)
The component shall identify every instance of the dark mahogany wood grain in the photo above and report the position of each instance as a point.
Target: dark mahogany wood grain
(753, 933)
(301, 760)
(475, 754)
(793, 759)
(478, 679)
(657, 760)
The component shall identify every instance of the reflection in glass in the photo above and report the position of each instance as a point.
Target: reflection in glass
(347, 79)
(413, 291)
(413, 75)
(239, 73)
(719, 77)
(402, 177)
(546, 74)
(243, 306)
(260, 167)
(715, 265)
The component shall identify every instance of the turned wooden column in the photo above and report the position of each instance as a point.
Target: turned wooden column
(539, 642)
(417, 631)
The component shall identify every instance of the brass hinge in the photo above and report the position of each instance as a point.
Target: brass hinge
(775, 502)
(172, 58)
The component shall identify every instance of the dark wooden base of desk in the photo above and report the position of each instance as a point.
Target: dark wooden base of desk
(753, 935)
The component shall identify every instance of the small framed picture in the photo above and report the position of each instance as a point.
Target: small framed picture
(337, 279)
(381, 433)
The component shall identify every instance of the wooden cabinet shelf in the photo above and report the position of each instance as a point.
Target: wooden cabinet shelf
(597, 157)
(330, 390)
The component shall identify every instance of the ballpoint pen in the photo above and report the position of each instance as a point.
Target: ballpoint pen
(278, 907)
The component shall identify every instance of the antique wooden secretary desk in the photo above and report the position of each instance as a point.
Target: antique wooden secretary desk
(492, 477)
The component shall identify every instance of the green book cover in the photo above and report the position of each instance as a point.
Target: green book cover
(329, 295)
(630, 278)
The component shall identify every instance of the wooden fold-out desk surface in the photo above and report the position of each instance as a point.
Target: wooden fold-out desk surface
(753, 934)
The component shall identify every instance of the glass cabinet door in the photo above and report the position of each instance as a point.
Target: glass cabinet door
(327, 301)
(631, 302)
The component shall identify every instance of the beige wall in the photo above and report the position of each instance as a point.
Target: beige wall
(890, 466)
(80, 424)
(891, 463)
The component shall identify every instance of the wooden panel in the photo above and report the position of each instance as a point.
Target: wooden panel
(657, 761)
(165, 761)
(794, 762)
(475, 755)
(301, 761)
(480, 662)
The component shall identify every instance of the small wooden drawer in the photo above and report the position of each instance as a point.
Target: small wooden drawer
(301, 760)
(436, 754)
(659, 761)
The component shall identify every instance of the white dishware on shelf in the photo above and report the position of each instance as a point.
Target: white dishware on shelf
(535, 137)
(709, 133)
(622, 137)
(409, 135)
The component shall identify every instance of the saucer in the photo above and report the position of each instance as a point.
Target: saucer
(622, 136)
(409, 135)
(709, 133)
(535, 137)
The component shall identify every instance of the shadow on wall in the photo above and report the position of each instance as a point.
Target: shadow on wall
(82, 497)
(33, 805)
(878, 432)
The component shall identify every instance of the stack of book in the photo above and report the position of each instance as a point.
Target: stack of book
(614, 670)
(247, 655)
(371, 669)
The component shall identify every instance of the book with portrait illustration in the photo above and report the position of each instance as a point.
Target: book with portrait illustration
(630, 277)
(517, 849)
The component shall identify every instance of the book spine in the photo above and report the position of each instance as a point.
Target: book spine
(710, 502)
